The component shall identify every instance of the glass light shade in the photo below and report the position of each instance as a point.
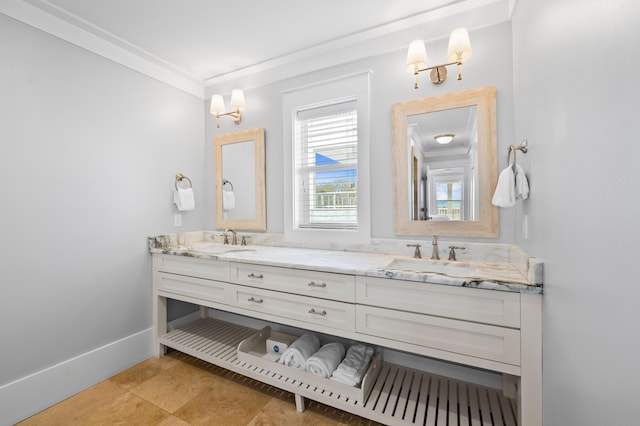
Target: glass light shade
(459, 43)
(416, 56)
(444, 139)
(217, 105)
(237, 100)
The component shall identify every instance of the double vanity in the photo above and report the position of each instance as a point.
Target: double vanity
(482, 311)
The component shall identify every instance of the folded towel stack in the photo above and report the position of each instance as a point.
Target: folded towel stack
(355, 364)
(184, 199)
(297, 354)
(326, 360)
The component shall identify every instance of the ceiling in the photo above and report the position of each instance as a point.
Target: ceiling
(202, 43)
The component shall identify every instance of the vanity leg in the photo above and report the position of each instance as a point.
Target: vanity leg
(530, 403)
(509, 386)
(299, 403)
(159, 324)
(204, 312)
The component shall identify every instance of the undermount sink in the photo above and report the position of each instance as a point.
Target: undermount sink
(426, 266)
(219, 249)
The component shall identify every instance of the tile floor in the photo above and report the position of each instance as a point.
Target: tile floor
(179, 390)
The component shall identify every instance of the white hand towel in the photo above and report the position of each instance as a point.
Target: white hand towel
(297, 354)
(228, 200)
(505, 195)
(184, 199)
(326, 360)
(354, 366)
(522, 184)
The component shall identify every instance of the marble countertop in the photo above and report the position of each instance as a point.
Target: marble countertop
(490, 274)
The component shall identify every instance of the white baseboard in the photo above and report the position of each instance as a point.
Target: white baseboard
(28, 395)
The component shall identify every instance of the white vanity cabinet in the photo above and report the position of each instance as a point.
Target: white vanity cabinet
(494, 330)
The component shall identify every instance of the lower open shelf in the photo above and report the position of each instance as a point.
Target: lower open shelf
(400, 395)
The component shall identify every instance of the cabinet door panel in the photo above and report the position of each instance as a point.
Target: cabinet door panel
(471, 304)
(213, 291)
(478, 340)
(193, 267)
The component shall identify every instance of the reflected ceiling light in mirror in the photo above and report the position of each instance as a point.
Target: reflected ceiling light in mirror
(444, 139)
(459, 51)
(238, 105)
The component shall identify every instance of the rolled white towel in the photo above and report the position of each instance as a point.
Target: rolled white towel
(297, 354)
(326, 360)
(505, 194)
(522, 184)
(354, 366)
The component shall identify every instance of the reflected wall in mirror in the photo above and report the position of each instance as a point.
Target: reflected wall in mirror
(240, 180)
(444, 154)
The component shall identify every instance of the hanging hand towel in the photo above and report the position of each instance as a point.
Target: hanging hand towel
(505, 195)
(326, 360)
(184, 199)
(297, 354)
(228, 200)
(522, 184)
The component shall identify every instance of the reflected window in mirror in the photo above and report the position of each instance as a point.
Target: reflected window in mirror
(445, 164)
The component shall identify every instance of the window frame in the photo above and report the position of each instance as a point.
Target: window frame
(349, 87)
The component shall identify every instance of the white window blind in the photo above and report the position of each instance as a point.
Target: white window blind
(326, 166)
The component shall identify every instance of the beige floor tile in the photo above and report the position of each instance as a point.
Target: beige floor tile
(173, 387)
(142, 372)
(105, 403)
(173, 421)
(278, 412)
(225, 403)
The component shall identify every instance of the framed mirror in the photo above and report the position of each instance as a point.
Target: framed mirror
(445, 169)
(240, 181)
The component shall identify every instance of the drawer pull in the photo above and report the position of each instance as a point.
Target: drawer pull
(313, 284)
(313, 311)
(255, 276)
(253, 299)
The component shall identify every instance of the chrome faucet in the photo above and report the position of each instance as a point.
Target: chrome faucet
(234, 237)
(434, 253)
(416, 253)
(452, 251)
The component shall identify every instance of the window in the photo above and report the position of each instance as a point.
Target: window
(326, 166)
(326, 148)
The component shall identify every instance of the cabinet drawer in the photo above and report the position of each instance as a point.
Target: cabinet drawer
(193, 267)
(299, 308)
(478, 340)
(471, 304)
(308, 283)
(213, 291)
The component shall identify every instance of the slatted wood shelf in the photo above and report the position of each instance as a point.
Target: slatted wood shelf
(400, 396)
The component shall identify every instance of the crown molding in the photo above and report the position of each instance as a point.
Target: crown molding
(82, 34)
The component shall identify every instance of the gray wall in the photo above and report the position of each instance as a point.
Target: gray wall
(578, 101)
(491, 65)
(88, 154)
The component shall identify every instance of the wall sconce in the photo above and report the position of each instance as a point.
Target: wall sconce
(237, 105)
(444, 139)
(459, 51)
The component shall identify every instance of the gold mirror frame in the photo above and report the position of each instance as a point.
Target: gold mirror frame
(259, 223)
(487, 225)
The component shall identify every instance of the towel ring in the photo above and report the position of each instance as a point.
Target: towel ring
(180, 177)
(225, 182)
(523, 147)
